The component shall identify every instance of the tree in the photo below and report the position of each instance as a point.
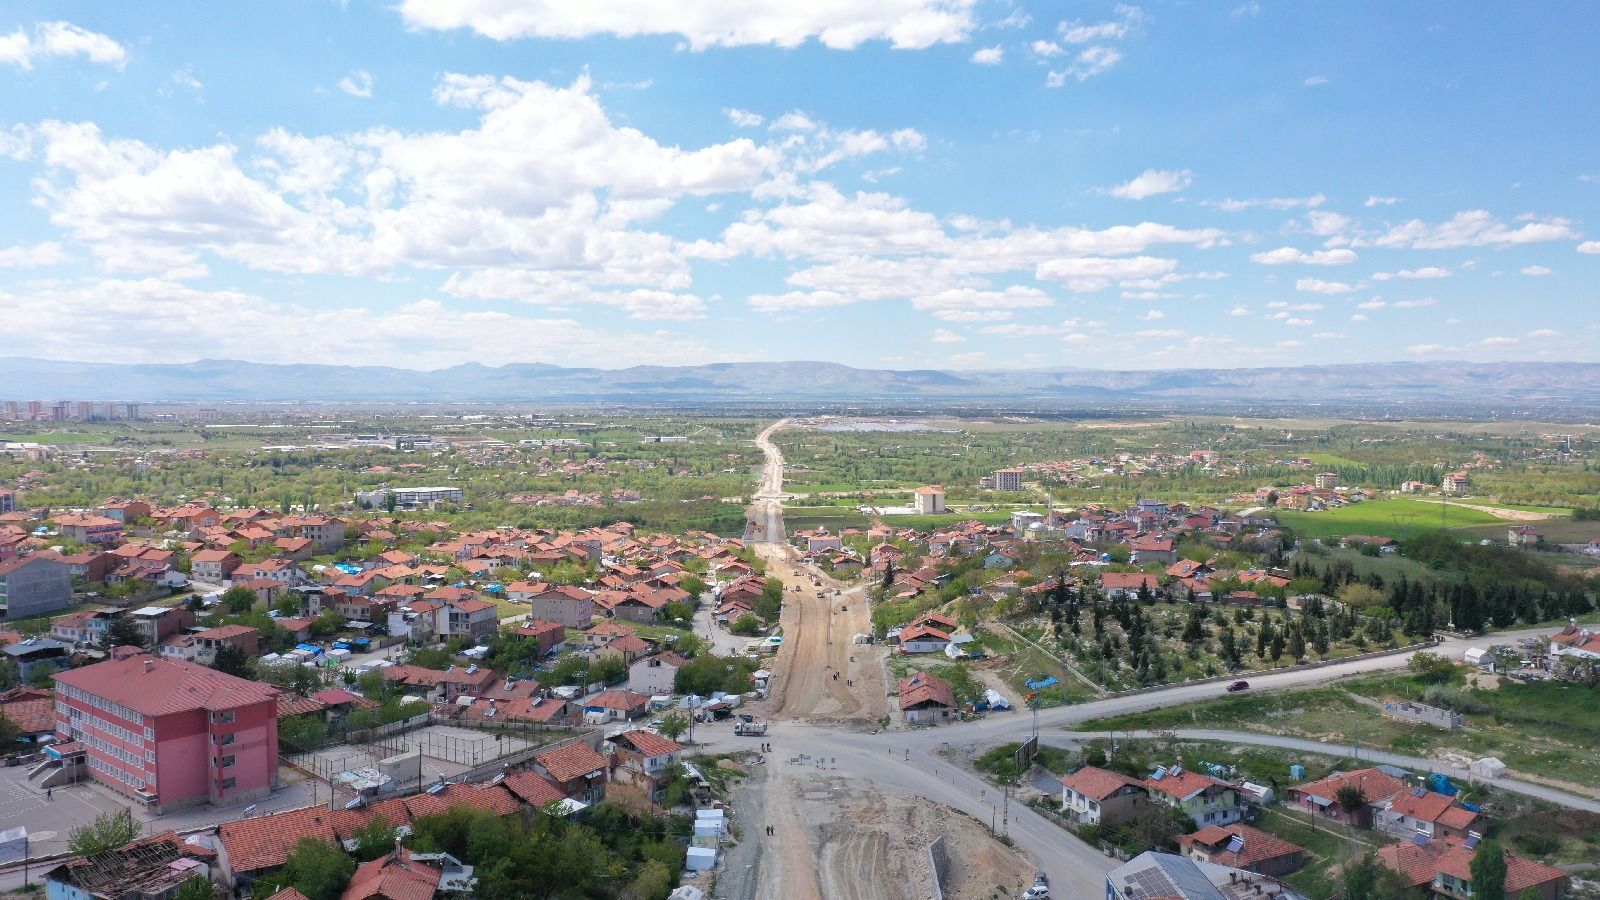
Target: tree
(745, 625)
(238, 600)
(1361, 878)
(124, 632)
(376, 839)
(317, 869)
(108, 831)
(198, 887)
(232, 660)
(1488, 869)
(1351, 798)
(288, 605)
(673, 725)
(1431, 667)
(1359, 596)
(609, 669)
(9, 732)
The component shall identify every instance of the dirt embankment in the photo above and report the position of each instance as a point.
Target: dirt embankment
(820, 675)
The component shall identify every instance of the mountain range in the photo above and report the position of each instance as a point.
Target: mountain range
(1477, 384)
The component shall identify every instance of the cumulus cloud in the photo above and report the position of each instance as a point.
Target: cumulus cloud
(1376, 200)
(1151, 182)
(54, 40)
(743, 118)
(1094, 273)
(1316, 81)
(1286, 255)
(946, 336)
(838, 24)
(1474, 228)
(989, 56)
(1535, 270)
(1231, 205)
(357, 84)
(1087, 64)
(1075, 32)
(1318, 286)
(33, 256)
(1589, 247)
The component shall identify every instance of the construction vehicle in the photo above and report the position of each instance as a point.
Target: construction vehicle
(750, 729)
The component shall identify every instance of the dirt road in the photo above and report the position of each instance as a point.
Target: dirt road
(820, 674)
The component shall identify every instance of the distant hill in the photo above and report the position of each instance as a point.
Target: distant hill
(1527, 383)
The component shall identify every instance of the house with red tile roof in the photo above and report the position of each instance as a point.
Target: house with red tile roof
(1421, 811)
(1101, 797)
(615, 706)
(550, 637)
(1239, 846)
(1127, 584)
(644, 759)
(1206, 800)
(533, 789)
(1442, 867)
(397, 875)
(1322, 797)
(926, 699)
(576, 769)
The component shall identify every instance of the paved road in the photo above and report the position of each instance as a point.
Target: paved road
(1366, 754)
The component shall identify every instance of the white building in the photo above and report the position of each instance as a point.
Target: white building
(929, 501)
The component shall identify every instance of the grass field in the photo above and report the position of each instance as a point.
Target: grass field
(1555, 531)
(1389, 518)
(925, 523)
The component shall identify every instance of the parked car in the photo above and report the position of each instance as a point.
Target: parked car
(1238, 686)
(1037, 892)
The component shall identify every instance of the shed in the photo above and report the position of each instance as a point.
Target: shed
(698, 859)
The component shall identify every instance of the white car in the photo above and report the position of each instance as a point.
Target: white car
(1037, 892)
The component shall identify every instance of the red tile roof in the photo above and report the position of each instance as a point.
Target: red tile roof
(533, 789)
(1097, 784)
(1417, 864)
(1258, 845)
(1376, 784)
(923, 688)
(393, 876)
(266, 841)
(153, 686)
(573, 760)
(647, 742)
(1185, 785)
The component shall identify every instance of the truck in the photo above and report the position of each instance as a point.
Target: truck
(750, 729)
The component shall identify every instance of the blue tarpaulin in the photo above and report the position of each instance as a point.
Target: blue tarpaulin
(1440, 784)
(1041, 684)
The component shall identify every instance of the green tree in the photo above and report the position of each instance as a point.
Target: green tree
(1488, 869)
(1351, 798)
(1361, 878)
(608, 669)
(288, 605)
(673, 725)
(317, 869)
(9, 733)
(108, 831)
(232, 660)
(197, 888)
(746, 625)
(239, 600)
(124, 632)
(374, 840)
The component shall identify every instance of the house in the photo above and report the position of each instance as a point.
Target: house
(90, 566)
(1455, 483)
(37, 656)
(1149, 549)
(90, 529)
(1127, 584)
(30, 585)
(171, 734)
(615, 706)
(1206, 800)
(576, 769)
(1524, 536)
(1442, 868)
(929, 500)
(1242, 847)
(404, 875)
(472, 619)
(125, 511)
(211, 640)
(1376, 787)
(927, 700)
(568, 605)
(1425, 812)
(644, 759)
(654, 675)
(150, 867)
(1574, 645)
(923, 639)
(157, 623)
(32, 710)
(1155, 875)
(550, 637)
(214, 565)
(1096, 796)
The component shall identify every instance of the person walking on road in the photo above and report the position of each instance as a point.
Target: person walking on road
(50, 794)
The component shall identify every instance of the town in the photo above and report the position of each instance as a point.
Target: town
(372, 691)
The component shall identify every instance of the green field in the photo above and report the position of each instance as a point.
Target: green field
(926, 523)
(1388, 518)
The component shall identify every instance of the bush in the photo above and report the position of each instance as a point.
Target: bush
(1537, 843)
(1453, 699)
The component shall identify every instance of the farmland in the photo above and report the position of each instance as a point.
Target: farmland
(1396, 518)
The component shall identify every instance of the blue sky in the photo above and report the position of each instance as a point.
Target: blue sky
(905, 184)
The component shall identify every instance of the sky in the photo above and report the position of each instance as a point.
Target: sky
(958, 184)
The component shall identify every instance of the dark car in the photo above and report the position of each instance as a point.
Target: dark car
(1239, 686)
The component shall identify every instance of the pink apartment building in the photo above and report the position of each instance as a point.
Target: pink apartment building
(169, 733)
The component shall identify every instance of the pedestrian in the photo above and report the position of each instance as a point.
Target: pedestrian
(50, 794)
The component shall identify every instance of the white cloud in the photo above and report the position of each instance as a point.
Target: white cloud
(1544, 333)
(1424, 272)
(1239, 311)
(1151, 182)
(357, 84)
(1422, 349)
(1473, 228)
(1096, 60)
(1287, 255)
(1152, 315)
(1046, 49)
(1318, 286)
(1113, 30)
(1374, 303)
(1151, 333)
(1231, 205)
(989, 56)
(946, 336)
(968, 316)
(1535, 270)
(1589, 247)
(1415, 304)
(1376, 200)
(33, 256)
(151, 320)
(1299, 323)
(743, 118)
(59, 39)
(1498, 341)
(1087, 274)
(838, 24)
(1316, 81)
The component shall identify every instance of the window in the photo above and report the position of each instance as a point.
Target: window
(226, 762)
(226, 783)
(224, 739)
(223, 718)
